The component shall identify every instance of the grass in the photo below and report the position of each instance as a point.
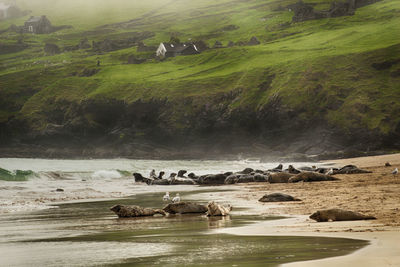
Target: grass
(321, 67)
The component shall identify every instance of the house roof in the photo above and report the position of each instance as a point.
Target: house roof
(170, 47)
(34, 19)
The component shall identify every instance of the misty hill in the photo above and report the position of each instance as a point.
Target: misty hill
(324, 78)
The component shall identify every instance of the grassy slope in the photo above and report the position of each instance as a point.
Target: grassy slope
(333, 54)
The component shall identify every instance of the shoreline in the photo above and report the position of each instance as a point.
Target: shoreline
(367, 195)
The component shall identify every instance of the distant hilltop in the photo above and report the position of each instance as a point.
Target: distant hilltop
(10, 11)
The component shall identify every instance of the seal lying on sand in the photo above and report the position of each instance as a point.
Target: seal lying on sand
(280, 177)
(338, 215)
(217, 210)
(185, 207)
(278, 197)
(311, 177)
(135, 211)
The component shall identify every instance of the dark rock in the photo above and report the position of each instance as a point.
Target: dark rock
(87, 72)
(185, 207)
(59, 190)
(218, 44)
(311, 177)
(231, 44)
(253, 41)
(385, 64)
(135, 211)
(338, 215)
(387, 164)
(278, 197)
(229, 28)
(51, 49)
(84, 44)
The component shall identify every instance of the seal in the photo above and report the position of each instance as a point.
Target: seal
(280, 177)
(215, 209)
(311, 177)
(185, 207)
(135, 211)
(278, 197)
(338, 215)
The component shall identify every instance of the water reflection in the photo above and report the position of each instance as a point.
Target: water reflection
(215, 222)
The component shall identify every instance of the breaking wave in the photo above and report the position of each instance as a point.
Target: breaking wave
(104, 174)
(17, 175)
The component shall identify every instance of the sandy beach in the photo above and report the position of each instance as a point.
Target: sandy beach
(376, 193)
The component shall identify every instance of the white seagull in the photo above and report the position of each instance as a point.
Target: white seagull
(166, 197)
(176, 199)
(330, 172)
(395, 172)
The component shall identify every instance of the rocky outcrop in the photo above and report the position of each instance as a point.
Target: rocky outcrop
(331, 215)
(303, 11)
(185, 207)
(217, 44)
(253, 41)
(135, 211)
(278, 197)
(51, 49)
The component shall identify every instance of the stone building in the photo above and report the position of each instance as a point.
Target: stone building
(38, 25)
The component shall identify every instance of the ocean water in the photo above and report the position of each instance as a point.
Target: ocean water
(30, 184)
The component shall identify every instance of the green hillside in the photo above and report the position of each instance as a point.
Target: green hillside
(341, 74)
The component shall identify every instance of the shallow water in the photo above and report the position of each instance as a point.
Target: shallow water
(88, 234)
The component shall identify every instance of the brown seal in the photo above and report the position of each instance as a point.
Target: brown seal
(338, 215)
(135, 211)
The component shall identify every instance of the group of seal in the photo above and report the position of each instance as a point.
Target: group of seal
(249, 175)
(212, 209)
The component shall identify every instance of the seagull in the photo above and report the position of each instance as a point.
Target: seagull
(176, 199)
(330, 172)
(166, 197)
(395, 172)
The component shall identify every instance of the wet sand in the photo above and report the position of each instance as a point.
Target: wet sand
(376, 193)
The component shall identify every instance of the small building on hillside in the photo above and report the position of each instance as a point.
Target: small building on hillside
(173, 50)
(39, 25)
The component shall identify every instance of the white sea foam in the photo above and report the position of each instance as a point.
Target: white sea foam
(104, 174)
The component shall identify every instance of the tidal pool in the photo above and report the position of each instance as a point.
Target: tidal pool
(89, 234)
